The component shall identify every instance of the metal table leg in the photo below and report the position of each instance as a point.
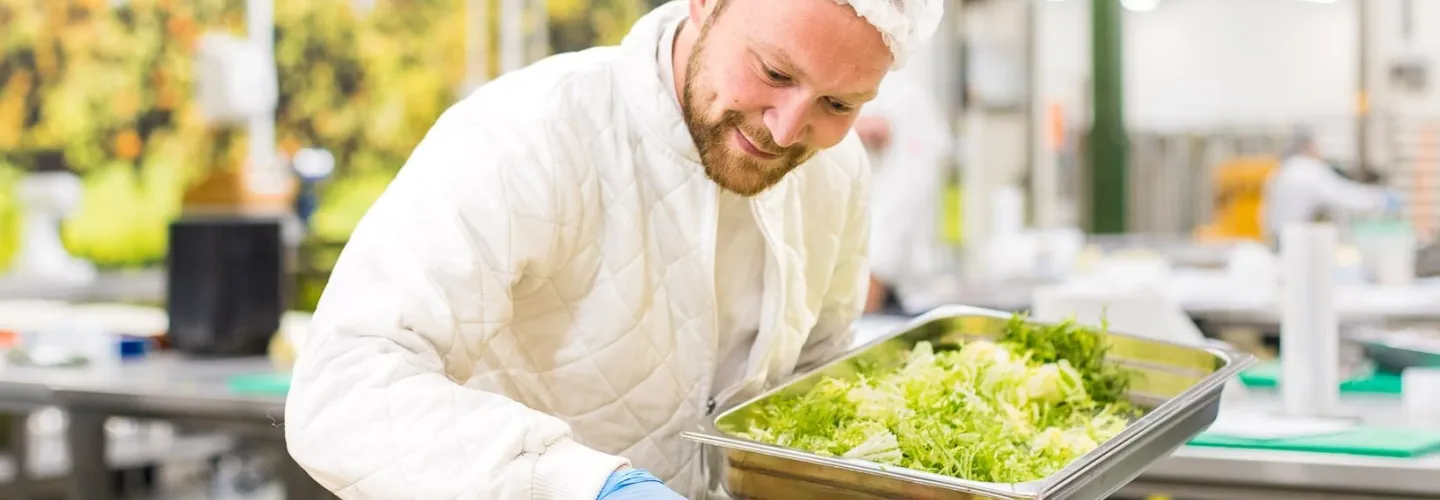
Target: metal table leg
(89, 472)
(298, 483)
(18, 432)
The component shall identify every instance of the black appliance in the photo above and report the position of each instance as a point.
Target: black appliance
(226, 284)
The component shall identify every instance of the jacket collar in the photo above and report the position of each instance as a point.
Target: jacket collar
(642, 88)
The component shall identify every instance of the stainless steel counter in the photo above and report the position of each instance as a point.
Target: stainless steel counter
(147, 286)
(168, 384)
(171, 387)
(1195, 472)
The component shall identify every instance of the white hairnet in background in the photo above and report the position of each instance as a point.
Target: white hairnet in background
(1301, 139)
(904, 24)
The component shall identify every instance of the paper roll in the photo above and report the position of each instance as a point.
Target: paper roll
(1309, 330)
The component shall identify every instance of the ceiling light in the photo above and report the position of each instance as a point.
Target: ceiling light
(1140, 5)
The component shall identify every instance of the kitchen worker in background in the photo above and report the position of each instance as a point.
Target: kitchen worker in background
(908, 139)
(587, 256)
(1304, 188)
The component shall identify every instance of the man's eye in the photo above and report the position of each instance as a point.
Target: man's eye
(840, 107)
(776, 76)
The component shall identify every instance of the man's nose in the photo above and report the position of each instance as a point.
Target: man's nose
(787, 120)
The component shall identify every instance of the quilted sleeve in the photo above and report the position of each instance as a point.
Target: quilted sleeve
(845, 299)
(375, 410)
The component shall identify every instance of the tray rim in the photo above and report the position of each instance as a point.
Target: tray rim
(1184, 403)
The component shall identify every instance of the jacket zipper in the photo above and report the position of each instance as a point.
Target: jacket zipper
(772, 258)
(773, 266)
(712, 225)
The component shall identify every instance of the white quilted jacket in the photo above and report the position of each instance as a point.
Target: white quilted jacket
(531, 302)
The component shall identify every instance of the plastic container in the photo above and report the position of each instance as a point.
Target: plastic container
(1421, 396)
(1388, 249)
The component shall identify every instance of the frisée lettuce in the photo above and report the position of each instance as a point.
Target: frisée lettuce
(1011, 410)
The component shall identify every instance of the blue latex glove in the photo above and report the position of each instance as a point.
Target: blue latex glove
(635, 484)
(1393, 204)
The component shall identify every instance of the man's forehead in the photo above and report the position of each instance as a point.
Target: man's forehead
(824, 43)
(849, 88)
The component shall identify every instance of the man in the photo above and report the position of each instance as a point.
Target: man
(1305, 187)
(906, 133)
(588, 256)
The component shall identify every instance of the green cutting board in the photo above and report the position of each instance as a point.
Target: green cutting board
(1366, 441)
(1266, 375)
(263, 384)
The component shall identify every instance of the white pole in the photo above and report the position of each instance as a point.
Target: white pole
(266, 173)
(512, 35)
(477, 44)
(540, 41)
(1042, 179)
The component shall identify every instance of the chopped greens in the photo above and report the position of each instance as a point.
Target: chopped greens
(1013, 410)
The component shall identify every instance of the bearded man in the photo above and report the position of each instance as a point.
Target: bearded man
(589, 255)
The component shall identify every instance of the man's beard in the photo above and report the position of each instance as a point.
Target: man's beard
(733, 170)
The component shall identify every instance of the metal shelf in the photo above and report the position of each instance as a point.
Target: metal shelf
(139, 286)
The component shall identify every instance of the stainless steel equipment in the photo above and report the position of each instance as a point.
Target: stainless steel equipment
(1395, 351)
(1178, 386)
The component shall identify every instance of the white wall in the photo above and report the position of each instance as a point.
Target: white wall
(1214, 62)
(1388, 44)
(1204, 63)
(1196, 65)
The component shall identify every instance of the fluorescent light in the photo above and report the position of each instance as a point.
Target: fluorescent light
(1140, 5)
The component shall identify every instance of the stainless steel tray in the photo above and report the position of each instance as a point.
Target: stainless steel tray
(1178, 386)
(1395, 351)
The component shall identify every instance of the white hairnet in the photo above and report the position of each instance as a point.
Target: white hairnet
(905, 24)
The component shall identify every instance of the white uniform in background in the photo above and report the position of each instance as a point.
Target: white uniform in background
(909, 175)
(1305, 187)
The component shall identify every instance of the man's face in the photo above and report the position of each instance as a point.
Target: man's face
(770, 83)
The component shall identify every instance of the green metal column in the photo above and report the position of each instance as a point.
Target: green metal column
(1109, 144)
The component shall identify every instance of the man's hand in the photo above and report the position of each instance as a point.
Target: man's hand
(635, 484)
(874, 132)
(1393, 203)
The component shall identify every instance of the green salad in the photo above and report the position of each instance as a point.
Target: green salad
(1013, 410)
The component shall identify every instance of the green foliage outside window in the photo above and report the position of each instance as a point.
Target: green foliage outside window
(107, 85)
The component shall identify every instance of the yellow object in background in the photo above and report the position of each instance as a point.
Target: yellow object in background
(9, 215)
(281, 352)
(1239, 199)
(952, 215)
